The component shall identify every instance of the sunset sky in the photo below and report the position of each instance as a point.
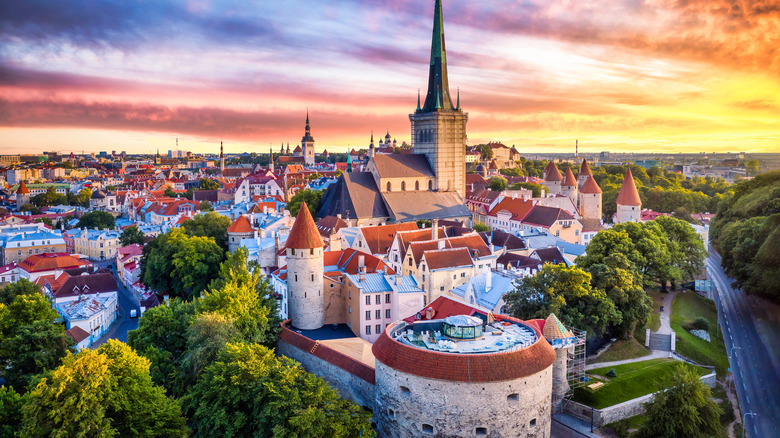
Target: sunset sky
(619, 75)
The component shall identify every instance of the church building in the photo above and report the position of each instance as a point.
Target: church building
(429, 183)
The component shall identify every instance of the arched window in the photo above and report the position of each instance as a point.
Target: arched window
(389, 187)
(430, 184)
(403, 186)
(417, 185)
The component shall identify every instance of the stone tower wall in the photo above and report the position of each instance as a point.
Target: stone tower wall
(590, 205)
(553, 187)
(304, 288)
(406, 404)
(307, 150)
(571, 192)
(627, 213)
(441, 136)
(581, 180)
(560, 382)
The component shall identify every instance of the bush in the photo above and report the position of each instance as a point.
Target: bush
(701, 323)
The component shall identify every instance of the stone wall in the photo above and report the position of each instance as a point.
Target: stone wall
(305, 303)
(413, 406)
(619, 411)
(354, 383)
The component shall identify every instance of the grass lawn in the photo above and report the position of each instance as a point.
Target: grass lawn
(685, 309)
(633, 380)
(654, 320)
(622, 349)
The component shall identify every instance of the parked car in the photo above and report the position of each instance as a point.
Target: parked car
(133, 313)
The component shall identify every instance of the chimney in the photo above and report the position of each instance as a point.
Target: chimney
(442, 243)
(435, 229)
(542, 194)
(57, 273)
(338, 216)
(488, 280)
(428, 313)
(276, 241)
(398, 280)
(362, 276)
(362, 263)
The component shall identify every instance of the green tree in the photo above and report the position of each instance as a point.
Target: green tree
(479, 228)
(31, 208)
(686, 247)
(37, 347)
(10, 412)
(48, 198)
(486, 152)
(685, 409)
(248, 391)
(131, 235)
(22, 287)
(96, 219)
(169, 192)
(46, 221)
(23, 310)
(82, 199)
(101, 393)
(312, 198)
(211, 224)
(205, 206)
(536, 189)
(497, 184)
(566, 292)
(208, 184)
(622, 282)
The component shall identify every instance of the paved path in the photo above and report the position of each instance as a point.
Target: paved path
(666, 327)
(655, 354)
(123, 323)
(566, 426)
(753, 358)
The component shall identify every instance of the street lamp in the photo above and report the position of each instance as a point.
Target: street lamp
(743, 422)
(730, 367)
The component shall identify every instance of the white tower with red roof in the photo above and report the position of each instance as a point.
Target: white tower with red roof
(305, 273)
(629, 204)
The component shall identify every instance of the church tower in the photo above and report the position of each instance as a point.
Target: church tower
(305, 270)
(629, 204)
(307, 144)
(439, 127)
(221, 158)
(270, 159)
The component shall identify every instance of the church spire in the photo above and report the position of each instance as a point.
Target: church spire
(438, 97)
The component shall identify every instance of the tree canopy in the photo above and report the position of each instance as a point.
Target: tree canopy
(96, 219)
(131, 235)
(101, 393)
(685, 409)
(497, 184)
(312, 198)
(745, 232)
(210, 224)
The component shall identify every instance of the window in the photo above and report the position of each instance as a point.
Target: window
(387, 298)
(293, 251)
(296, 278)
(405, 390)
(441, 288)
(462, 275)
(389, 187)
(513, 397)
(350, 311)
(368, 315)
(403, 186)
(391, 413)
(387, 313)
(430, 184)
(378, 314)
(378, 299)
(481, 431)
(417, 185)
(427, 428)
(533, 422)
(410, 261)
(368, 329)
(311, 251)
(368, 299)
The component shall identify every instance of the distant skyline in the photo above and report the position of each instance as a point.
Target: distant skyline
(662, 76)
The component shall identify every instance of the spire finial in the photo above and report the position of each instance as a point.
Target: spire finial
(438, 84)
(418, 100)
(458, 106)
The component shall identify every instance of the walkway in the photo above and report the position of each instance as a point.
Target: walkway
(565, 426)
(666, 327)
(656, 354)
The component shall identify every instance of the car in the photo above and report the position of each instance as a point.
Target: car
(133, 313)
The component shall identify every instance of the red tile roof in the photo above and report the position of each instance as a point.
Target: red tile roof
(50, 262)
(569, 179)
(22, 190)
(380, 238)
(590, 186)
(551, 172)
(518, 207)
(348, 261)
(77, 333)
(486, 367)
(546, 216)
(241, 225)
(628, 194)
(304, 232)
(447, 258)
(585, 169)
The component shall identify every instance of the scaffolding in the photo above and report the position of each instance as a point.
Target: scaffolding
(575, 366)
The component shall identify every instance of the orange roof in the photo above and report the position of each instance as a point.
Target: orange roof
(241, 225)
(590, 186)
(569, 179)
(304, 232)
(380, 238)
(584, 168)
(554, 328)
(22, 190)
(628, 194)
(551, 172)
(77, 333)
(517, 206)
(447, 258)
(50, 262)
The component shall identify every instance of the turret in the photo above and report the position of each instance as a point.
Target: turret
(569, 186)
(584, 173)
(22, 195)
(629, 204)
(552, 178)
(590, 199)
(305, 272)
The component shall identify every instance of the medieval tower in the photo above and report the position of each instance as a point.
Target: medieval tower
(307, 144)
(305, 272)
(585, 172)
(590, 199)
(629, 204)
(438, 126)
(569, 186)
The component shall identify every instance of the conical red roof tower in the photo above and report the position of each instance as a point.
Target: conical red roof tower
(590, 186)
(22, 190)
(628, 193)
(584, 168)
(568, 178)
(304, 232)
(551, 173)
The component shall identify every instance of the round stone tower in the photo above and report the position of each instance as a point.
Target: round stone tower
(552, 178)
(629, 204)
(569, 186)
(304, 273)
(22, 195)
(590, 199)
(562, 340)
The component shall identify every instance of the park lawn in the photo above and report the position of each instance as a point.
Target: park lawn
(622, 349)
(633, 380)
(654, 320)
(685, 309)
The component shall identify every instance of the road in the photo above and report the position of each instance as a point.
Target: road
(124, 322)
(755, 356)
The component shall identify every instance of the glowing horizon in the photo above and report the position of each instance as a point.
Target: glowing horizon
(663, 76)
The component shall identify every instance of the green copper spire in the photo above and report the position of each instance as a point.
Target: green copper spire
(438, 97)
(458, 106)
(418, 100)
